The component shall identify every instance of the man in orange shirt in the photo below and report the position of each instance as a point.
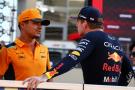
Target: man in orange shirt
(26, 57)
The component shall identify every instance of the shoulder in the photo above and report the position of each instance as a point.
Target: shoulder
(96, 33)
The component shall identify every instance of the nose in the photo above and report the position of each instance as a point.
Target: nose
(39, 26)
(39, 29)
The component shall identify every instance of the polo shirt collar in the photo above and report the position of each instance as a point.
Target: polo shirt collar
(20, 43)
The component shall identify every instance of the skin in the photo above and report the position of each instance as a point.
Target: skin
(131, 57)
(29, 32)
(82, 27)
(33, 82)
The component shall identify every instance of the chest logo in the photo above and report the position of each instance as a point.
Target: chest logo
(114, 56)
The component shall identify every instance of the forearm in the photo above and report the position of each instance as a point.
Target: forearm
(83, 50)
(65, 65)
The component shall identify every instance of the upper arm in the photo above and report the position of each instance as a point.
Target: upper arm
(4, 61)
(83, 50)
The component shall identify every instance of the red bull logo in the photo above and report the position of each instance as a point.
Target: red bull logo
(108, 68)
(115, 67)
(51, 73)
(114, 56)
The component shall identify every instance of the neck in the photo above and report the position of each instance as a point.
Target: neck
(27, 40)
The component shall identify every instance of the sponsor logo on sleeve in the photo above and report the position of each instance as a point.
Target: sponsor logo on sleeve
(80, 49)
(73, 57)
(75, 53)
(50, 74)
(82, 45)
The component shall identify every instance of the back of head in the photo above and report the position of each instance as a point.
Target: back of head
(91, 15)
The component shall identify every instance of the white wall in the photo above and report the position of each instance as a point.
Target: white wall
(73, 76)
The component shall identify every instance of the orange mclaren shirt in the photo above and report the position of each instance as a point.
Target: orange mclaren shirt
(24, 62)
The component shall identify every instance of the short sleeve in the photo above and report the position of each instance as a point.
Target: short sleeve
(4, 60)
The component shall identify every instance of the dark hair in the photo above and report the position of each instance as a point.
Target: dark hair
(132, 46)
(20, 26)
(92, 25)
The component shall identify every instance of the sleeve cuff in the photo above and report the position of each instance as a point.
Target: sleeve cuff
(48, 75)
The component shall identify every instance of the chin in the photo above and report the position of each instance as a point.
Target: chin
(37, 36)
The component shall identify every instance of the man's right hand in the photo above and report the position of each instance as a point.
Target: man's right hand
(34, 81)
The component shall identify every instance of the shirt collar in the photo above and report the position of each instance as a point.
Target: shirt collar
(21, 44)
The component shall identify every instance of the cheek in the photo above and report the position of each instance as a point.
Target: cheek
(30, 30)
(34, 27)
(133, 49)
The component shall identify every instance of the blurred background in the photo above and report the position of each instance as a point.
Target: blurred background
(61, 35)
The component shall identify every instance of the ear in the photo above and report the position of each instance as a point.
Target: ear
(22, 24)
(85, 24)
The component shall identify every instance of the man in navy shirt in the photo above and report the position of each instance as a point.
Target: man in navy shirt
(101, 56)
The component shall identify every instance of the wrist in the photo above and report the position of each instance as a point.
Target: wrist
(43, 78)
(47, 74)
